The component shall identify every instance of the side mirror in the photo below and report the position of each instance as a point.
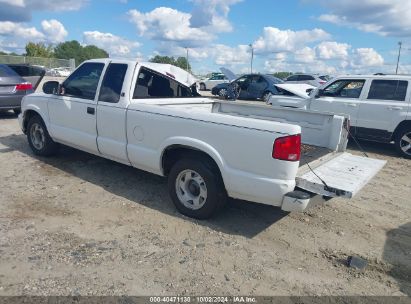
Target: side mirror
(51, 87)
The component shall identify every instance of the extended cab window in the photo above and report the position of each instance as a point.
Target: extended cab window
(345, 88)
(388, 90)
(151, 84)
(83, 82)
(113, 83)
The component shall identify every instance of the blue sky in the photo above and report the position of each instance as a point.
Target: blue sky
(318, 36)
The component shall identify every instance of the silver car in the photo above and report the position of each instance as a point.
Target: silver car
(311, 79)
(16, 81)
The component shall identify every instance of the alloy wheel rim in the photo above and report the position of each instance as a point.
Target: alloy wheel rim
(222, 92)
(37, 136)
(191, 189)
(405, 143)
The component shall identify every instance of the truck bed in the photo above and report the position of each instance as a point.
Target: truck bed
(310, 153)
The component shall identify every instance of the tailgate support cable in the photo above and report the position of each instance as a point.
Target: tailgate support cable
(357, 143)
(338, 192)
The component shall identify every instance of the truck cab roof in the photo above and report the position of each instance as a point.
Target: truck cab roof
(167, 70)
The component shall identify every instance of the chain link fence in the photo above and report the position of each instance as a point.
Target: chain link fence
(48, 63)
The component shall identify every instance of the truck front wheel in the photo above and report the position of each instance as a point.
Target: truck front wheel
(39, 139)
(196, 189)
(403, 142)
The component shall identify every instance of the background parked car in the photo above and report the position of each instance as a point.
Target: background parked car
(210, 83)
(60, 72)
(17, 81)
(314, 80)
(251, 86)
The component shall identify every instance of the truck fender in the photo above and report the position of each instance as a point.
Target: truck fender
(35, 108)
(194, 144)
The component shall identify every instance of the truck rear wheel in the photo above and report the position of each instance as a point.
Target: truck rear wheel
(403, 142)
(196, 189)
(39, 139)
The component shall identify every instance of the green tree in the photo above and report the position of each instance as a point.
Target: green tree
(183, 63)
(180, 62)
(73, 49)
(39, 50)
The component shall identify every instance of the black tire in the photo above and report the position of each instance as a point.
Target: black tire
(216, 196)
(266, 96)
(401, 142)
(17, 111)
(36, 133)
(202, 87)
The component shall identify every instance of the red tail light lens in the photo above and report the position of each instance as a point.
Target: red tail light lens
(287, 148)
(24, 86)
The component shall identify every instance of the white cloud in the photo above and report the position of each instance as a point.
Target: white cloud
(54, 30)
(366, 57)
(19, 31)
(305, 55)
(21, 10)
(15, 35)
(384, 17)
(276, 40)
(167, 24)
(226, 55)
(116, 46)
(332, 50)
(13, 2)
(212, 14)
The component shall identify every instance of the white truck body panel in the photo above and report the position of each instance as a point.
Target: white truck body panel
(238, 137)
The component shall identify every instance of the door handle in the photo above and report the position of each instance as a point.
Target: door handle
(352, 105)
(91, 110)
(394, 108)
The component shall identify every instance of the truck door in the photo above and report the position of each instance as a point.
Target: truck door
(73, 112)
(111, 113)
(343, 96)
(383, 109)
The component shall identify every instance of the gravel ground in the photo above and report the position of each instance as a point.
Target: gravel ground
(77, 224)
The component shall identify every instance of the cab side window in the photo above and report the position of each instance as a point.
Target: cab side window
(84, 81)
(388, 90)
(345, 88)
(113, 83)
(154, 85)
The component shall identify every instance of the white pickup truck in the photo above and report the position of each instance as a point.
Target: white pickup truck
(379, 106)
(150, 116)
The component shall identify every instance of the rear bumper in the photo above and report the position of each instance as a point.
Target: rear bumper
(10, 102)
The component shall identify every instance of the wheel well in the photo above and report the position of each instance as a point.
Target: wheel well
(27, 116)
(403, 124)
(174, 153)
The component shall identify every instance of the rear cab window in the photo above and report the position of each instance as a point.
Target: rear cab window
(151, 84)
(381, 89)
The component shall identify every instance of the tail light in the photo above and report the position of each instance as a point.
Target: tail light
(287, 148)
(24, 86)
(322, 82)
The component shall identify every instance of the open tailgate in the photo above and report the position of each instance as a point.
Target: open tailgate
(344, 175)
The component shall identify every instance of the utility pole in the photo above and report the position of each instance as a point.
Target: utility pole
(252, 56)
(399, 55)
